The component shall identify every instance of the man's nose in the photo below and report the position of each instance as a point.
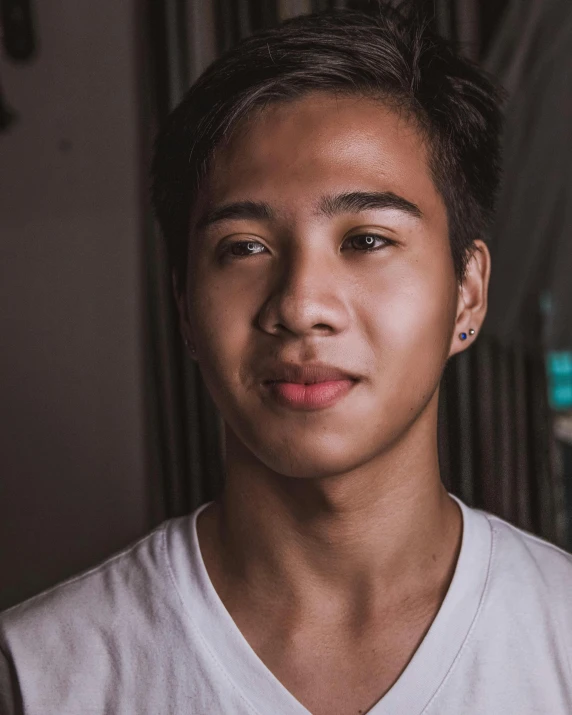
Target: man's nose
(307, 296)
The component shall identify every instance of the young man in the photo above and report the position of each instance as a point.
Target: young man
(324, 190)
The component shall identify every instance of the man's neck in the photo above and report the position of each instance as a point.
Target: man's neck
(331, 546)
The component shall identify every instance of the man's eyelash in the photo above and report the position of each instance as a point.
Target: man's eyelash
(368, 249)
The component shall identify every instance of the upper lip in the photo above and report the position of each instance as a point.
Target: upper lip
(306, 373)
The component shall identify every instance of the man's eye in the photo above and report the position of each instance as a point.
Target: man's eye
(362, 242)
(368, 242)
(243, 249)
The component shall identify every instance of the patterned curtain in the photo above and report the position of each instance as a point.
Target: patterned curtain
(496, 439)
(495, 436)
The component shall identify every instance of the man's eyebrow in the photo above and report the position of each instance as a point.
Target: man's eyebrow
(238, 210)
(357, 201)
(350, 202)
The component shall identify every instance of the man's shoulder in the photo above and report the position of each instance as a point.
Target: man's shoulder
(547, 556)
(116, 638)
(525, 607)
(530, 563)
(123, 582)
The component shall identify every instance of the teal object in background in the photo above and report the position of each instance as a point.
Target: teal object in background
(559, 373)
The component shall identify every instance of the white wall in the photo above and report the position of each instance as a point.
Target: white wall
(72, 459)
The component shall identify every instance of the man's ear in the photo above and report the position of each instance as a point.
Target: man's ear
(472, 299)
(182, 308)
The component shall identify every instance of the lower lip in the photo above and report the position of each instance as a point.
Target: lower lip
(310, 397)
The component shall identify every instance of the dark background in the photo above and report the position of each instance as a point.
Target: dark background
(106, 427)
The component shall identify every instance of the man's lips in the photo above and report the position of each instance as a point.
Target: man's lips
(317, 395)
(309, 387)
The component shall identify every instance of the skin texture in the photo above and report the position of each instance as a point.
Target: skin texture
(334, 542)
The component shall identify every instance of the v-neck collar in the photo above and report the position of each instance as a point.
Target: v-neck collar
(425, 673)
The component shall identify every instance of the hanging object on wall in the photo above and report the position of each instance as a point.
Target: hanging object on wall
(19, 44)
(7, 116)
(18, 33)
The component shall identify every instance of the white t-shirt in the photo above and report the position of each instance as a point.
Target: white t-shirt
(145, 633)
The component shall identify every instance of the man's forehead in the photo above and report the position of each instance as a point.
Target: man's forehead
(312, 157)
(319, 122)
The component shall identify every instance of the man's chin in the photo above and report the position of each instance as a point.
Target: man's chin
(310, 463)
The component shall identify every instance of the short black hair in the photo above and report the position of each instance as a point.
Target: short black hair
(393, 55)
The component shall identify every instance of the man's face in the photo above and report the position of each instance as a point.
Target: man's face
(299, 285)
